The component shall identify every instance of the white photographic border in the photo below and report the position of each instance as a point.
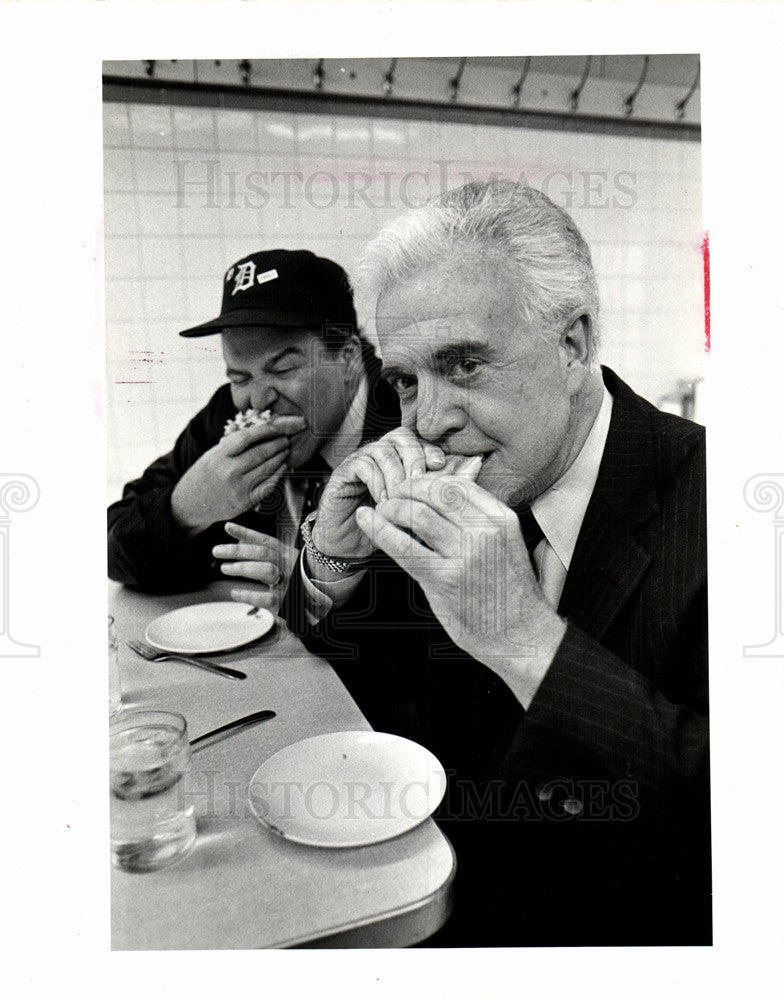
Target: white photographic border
(56, 918)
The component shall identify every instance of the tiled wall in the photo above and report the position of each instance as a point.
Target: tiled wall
(190, 190)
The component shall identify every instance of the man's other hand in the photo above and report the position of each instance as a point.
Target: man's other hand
(465, 549)
(234, 475)
(261, 559)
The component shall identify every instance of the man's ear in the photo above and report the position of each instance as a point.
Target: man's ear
(576, 341)
(351, 352)
(576, 347)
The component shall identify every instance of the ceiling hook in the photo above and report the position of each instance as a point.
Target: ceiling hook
(680, 107)
(388, 80)
(245, 69)
(318, 75)
(149, 66)
(516, 91)
(629, 102)
(454, 83)
(574, 97)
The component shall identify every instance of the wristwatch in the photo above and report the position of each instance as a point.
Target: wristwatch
(334, 563)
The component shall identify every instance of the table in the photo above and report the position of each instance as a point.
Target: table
(241, 886)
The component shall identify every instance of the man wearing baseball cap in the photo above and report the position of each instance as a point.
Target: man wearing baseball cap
(295, 359)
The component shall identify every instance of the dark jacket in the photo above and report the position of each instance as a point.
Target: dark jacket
(149, 550)
(586, 819)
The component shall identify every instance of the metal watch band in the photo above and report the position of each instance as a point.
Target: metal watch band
(331, 562)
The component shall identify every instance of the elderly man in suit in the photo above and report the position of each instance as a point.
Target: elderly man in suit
(516, 578)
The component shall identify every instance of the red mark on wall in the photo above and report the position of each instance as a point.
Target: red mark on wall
(136, 356)
(706, 283)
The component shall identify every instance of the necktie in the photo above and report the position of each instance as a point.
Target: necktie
(292, 499)
(312, 476)
(532, 533)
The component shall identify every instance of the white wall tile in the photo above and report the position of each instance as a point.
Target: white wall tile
(151, 126)
(240, 223)
(206, 259)
(203, 297)
(194, 128)
(124, 338)
(158, 215)
(277, 134)
(120, 215)
(165, 299)
(162, 257)
(157, 170)
(122, 258)
(116, 125)
(124, 300)
(388, 138)
(118, 170)
(315, 135)
(353, 137)
(237, 130)
(200, 220)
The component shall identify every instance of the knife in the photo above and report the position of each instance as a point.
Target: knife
(246, 720)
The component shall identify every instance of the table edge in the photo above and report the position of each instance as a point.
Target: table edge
(394, 929)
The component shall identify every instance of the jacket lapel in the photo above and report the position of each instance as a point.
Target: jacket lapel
(609, 561)
(607, 565)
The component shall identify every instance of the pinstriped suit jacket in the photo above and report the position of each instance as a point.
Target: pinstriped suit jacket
(618, 726)
(637, 589)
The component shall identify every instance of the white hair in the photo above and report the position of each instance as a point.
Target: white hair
(540, 245)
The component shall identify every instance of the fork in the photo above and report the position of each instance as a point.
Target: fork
(156, 656)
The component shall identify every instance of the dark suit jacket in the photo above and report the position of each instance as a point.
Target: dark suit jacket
(146, 546)
(586, 819)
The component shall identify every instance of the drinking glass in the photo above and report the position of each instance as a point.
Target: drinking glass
(115, 693)
(152, 824)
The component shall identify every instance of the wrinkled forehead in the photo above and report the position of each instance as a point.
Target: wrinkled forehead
(443, 307)
(409, 345)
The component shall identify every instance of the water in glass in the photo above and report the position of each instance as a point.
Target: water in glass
(151, 824)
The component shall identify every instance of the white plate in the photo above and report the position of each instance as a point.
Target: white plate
(347, 789)
(208, 628)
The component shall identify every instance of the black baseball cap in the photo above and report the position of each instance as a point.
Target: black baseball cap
(286, 288)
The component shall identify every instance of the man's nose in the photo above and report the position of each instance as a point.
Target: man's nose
(437, 412)
(263, 395)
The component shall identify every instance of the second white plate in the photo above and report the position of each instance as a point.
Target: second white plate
(208, 628)
(347, 789)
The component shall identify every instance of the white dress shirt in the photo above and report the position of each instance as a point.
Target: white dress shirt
(560, 510)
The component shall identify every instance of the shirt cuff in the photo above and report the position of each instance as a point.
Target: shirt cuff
(321, 596)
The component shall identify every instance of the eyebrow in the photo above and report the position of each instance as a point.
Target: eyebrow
(270, 362)
(442, 355)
